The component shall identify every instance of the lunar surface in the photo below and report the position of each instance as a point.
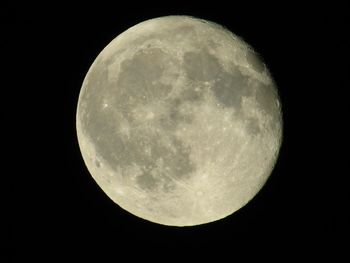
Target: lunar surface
(179, 121)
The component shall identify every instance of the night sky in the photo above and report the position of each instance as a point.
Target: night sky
(56, 209)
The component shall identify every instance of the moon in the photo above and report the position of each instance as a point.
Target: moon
(179, 121)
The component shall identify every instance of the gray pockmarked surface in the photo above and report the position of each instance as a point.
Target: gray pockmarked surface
(179, 121)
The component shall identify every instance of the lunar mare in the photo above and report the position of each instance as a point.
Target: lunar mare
(179, 121)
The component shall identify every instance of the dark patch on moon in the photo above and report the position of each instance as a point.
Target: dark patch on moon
(183, 32)
(201, 66)
(176, 165)
(253, 126)
(266, 97)
(230, 88)
(191, 94)
(263, 96)
(176, 115)
(139, 76)
(119, 151)
(146, 181)
(255, 61)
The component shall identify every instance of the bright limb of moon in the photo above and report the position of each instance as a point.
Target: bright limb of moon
(179, 121)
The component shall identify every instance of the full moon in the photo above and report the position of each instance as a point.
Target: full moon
(179, 121)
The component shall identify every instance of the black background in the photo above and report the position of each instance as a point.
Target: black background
(58, 211)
